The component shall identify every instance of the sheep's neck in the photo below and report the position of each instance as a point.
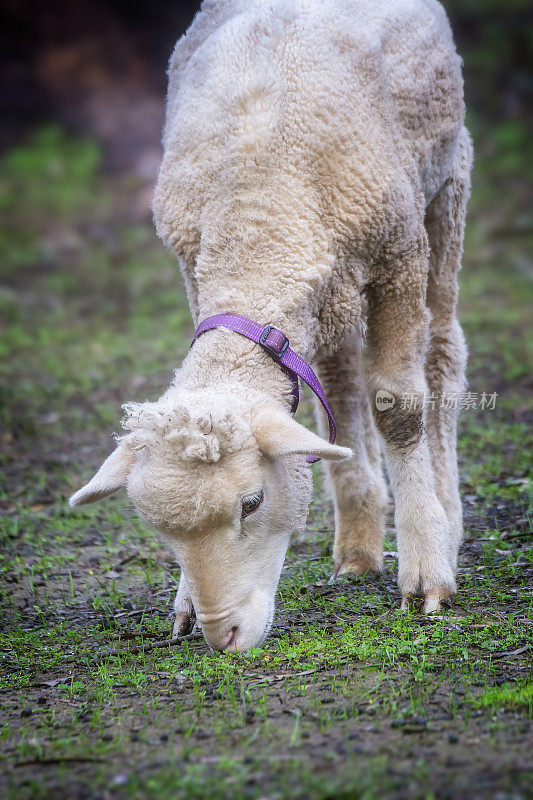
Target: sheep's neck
(226, 360)
(265, 256)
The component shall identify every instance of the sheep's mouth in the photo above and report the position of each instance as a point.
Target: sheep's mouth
(262, 638)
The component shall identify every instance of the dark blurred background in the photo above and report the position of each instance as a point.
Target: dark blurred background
(98, 67)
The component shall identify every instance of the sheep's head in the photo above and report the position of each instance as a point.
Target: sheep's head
(227, 484)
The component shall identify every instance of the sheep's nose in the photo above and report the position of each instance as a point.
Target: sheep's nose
(226, 642)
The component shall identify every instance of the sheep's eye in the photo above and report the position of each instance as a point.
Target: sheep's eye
(251, 503)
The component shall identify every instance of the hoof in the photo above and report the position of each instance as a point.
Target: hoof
(183, 624)
(433, 598)
(429, 604)
(357, 564)
(406, 602)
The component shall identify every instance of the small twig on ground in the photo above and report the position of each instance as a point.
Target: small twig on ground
(511, 652)
(139, 611)
(318, 558)
(58, 760)
(382, 616)
(125, 635)
(145, 648)
(165, 643)
(129, 558)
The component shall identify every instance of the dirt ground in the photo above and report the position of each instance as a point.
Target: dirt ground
(349, 697)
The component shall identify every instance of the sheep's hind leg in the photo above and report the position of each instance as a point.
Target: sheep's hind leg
(183, 608)
(357, 485)
(398, 332)
(446, 358)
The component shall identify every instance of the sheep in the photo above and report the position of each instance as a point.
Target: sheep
(315, 177)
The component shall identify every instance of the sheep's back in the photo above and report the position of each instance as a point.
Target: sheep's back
(366, 94)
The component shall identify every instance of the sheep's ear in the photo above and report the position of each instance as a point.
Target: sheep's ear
(110, 477)
(277, 434)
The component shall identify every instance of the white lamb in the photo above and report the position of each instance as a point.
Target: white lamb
(315, 177)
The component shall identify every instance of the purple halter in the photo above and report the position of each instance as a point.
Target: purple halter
(276, 344)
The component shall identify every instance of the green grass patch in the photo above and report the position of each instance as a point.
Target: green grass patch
(518, 697)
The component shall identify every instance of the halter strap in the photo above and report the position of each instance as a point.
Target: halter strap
(276, 345)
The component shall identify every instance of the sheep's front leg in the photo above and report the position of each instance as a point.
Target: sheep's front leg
(398, 326)
(184, 610)
(358, 488)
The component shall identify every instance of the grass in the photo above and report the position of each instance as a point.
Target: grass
(514, 697)
(348, 697)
